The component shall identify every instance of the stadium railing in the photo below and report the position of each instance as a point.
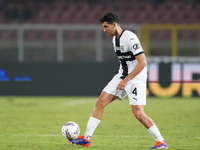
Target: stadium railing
(161, 45)
(174, 29)
(59, 38)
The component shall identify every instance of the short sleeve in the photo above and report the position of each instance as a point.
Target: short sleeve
(135, 45)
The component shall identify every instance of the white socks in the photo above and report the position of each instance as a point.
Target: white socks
(91, 126)
(155, 133)
(93, 123)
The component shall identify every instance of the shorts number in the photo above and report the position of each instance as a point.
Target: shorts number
(135, 91)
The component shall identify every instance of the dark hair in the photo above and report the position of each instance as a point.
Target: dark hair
(109, 17)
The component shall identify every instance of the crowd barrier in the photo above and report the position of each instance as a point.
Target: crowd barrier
(165, 79)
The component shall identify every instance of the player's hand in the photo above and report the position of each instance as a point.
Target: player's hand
(122, 85)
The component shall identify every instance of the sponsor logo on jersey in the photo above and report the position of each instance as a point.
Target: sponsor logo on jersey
(127, 56)
(124, 57)
(117, 48)
(136, 46)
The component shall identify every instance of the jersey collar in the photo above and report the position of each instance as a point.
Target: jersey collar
(120, 34)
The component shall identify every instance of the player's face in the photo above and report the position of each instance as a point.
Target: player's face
(109, 28)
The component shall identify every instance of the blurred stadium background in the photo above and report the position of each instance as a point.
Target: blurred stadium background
(50, 47)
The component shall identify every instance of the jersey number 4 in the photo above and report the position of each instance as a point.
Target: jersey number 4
(135, 91)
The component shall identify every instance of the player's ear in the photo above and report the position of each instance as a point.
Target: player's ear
(114, 24)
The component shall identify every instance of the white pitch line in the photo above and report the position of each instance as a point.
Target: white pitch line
(76, 102)
(26, 135)
(106, 136)
(114, 136)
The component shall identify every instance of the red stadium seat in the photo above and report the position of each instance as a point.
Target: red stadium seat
(70, 35)
(84, 7)
(77, 17)
(30, 35)
(155, 17)
(169, 11)
(52, 17)
(91, 18)
(148, 8)
(128, 17)
(1, 17)
(179, 18)
(196, 35)
(167, 18)
(47, 35)
(83, 35)
(184, 34)
(187, 9)
(31, 5)
(162, 8)
(6, 35)
(192, 18)
(71, 7)
(40, 16)
(160, 34)
(197, 8)
(142, 18)
(65, 17)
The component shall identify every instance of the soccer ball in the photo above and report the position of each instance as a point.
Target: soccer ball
(70, 130)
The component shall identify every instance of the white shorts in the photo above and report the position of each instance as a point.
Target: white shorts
(135, 89)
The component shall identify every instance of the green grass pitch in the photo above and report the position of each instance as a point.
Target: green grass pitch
(34, 123)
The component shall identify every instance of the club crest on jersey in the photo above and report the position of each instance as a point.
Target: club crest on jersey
(122, 48)
(136, 46)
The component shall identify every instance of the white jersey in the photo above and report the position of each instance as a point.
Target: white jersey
(127, 46)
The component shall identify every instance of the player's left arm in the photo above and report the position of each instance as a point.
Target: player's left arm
(142, 62)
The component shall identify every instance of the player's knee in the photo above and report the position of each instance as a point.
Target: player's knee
(100, 102)
(138, 114)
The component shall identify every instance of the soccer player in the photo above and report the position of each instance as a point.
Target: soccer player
(130, 80)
